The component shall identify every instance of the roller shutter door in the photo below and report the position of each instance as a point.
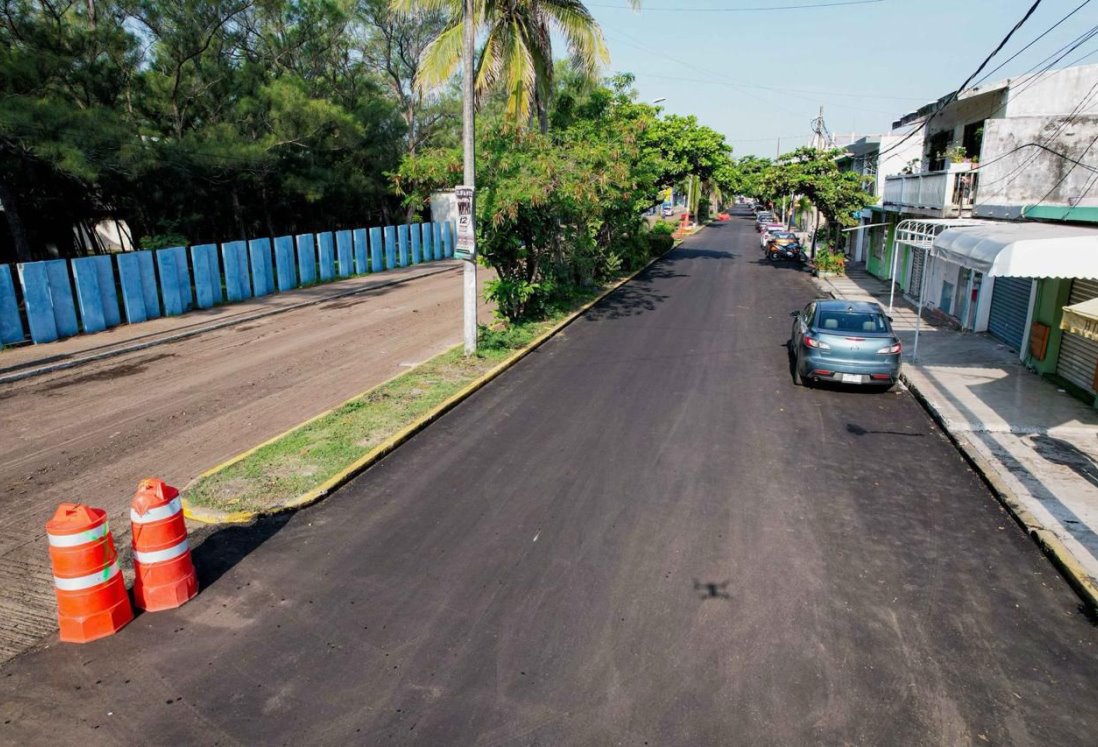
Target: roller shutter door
(1078, 355)
(1009, 309)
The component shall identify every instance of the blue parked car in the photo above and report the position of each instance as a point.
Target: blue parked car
(846, 342)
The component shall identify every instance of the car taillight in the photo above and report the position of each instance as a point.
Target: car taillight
(812, 342)
(892, 349)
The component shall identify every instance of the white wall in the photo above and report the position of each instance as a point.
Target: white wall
(1013, 173)
(1055, 92)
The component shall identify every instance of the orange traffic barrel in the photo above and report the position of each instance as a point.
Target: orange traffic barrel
(164, 574)
(91, 595)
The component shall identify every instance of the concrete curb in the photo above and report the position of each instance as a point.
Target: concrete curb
(7, 378)
(215, 516)
(1051, 545)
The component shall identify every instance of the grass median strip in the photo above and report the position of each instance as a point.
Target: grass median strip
(275, 475)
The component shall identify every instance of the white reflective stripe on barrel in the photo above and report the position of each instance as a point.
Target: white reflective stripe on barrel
(80, 538)
(159, 513)
(86, 582)
(159, 556)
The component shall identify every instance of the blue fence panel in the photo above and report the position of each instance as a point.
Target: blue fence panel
(306, 258)
(284, 262)
(390, 247)
(207, 275)
(436, 230)
(168, 270)
(327, 256)
(448, 238)
(175, 280)
(11, 324)
(238, 282)
(259, 255)
(416, 256)
(108, 290)
(88, 295)
(345, 254)
(146, 265)
(64, 305)
(377, 251)
(427, 239)
(403, 250)
(362, 265)
(139, 291)
(36, 297)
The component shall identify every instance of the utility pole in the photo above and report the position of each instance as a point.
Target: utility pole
(468, 113)
(819, 142)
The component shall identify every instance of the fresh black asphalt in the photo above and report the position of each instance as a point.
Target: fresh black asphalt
(642, 534)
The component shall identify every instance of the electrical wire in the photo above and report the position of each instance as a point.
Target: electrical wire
(953, 96)
(1063, 179)
(1046, 32)
(757, 9)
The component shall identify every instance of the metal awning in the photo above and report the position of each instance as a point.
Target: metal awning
(1022, 250)
(921, 232)
(1082, 319)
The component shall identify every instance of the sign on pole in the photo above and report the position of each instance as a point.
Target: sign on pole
(466, 245)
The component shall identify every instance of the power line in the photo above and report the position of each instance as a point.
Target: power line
(1064, 178)
(953, 96)
(757, 9)
(1046, 32)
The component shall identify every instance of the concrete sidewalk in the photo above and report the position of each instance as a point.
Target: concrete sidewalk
(33, 360)
(1035, 444)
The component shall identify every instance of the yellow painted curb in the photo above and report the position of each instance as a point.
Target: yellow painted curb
(215, 516)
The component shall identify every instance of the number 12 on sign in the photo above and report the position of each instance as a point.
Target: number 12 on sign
(466, 245)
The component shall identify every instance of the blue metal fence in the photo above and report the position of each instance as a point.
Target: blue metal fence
(60, 298)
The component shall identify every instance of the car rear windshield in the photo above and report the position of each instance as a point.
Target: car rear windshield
(851, 321)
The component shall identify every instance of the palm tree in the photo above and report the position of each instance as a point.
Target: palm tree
(518, 51)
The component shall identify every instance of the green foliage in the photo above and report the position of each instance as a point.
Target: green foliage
(816, 175)
(557, 212)
(212, 119)
(827, 261)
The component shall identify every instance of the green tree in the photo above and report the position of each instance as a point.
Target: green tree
(517, 54)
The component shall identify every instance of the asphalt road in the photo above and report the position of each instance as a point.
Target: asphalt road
(642, 534)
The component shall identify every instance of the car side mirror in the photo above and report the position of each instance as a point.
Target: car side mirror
(889, 318)
(794, 313)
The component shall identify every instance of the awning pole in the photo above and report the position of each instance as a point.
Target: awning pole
(892, 277)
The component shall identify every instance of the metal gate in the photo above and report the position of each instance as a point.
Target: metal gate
(1009, 309)
(1078, 355)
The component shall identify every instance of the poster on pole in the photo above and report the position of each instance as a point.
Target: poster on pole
(466, 245)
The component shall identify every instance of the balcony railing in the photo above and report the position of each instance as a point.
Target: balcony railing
(942, 194)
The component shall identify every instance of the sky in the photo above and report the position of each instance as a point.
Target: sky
(757, 75)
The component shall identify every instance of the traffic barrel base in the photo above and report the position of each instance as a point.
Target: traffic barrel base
(164, 573)
(91, 596)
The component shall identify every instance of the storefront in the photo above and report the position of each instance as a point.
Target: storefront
(1005, 263)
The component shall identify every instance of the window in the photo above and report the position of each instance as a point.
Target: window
(937, 145)
(851, 321)
(973, 139)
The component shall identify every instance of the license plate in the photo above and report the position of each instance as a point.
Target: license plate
(852, 379)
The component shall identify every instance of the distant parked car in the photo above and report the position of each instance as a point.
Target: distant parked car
(769, 230)
(666, 211)
(844, 341)
(761, 219)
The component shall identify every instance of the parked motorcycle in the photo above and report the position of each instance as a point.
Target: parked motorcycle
(787, 251)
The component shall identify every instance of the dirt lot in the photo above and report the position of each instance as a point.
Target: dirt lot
(89, 434)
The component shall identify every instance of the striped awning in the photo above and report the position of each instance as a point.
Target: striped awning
(1082, 319)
